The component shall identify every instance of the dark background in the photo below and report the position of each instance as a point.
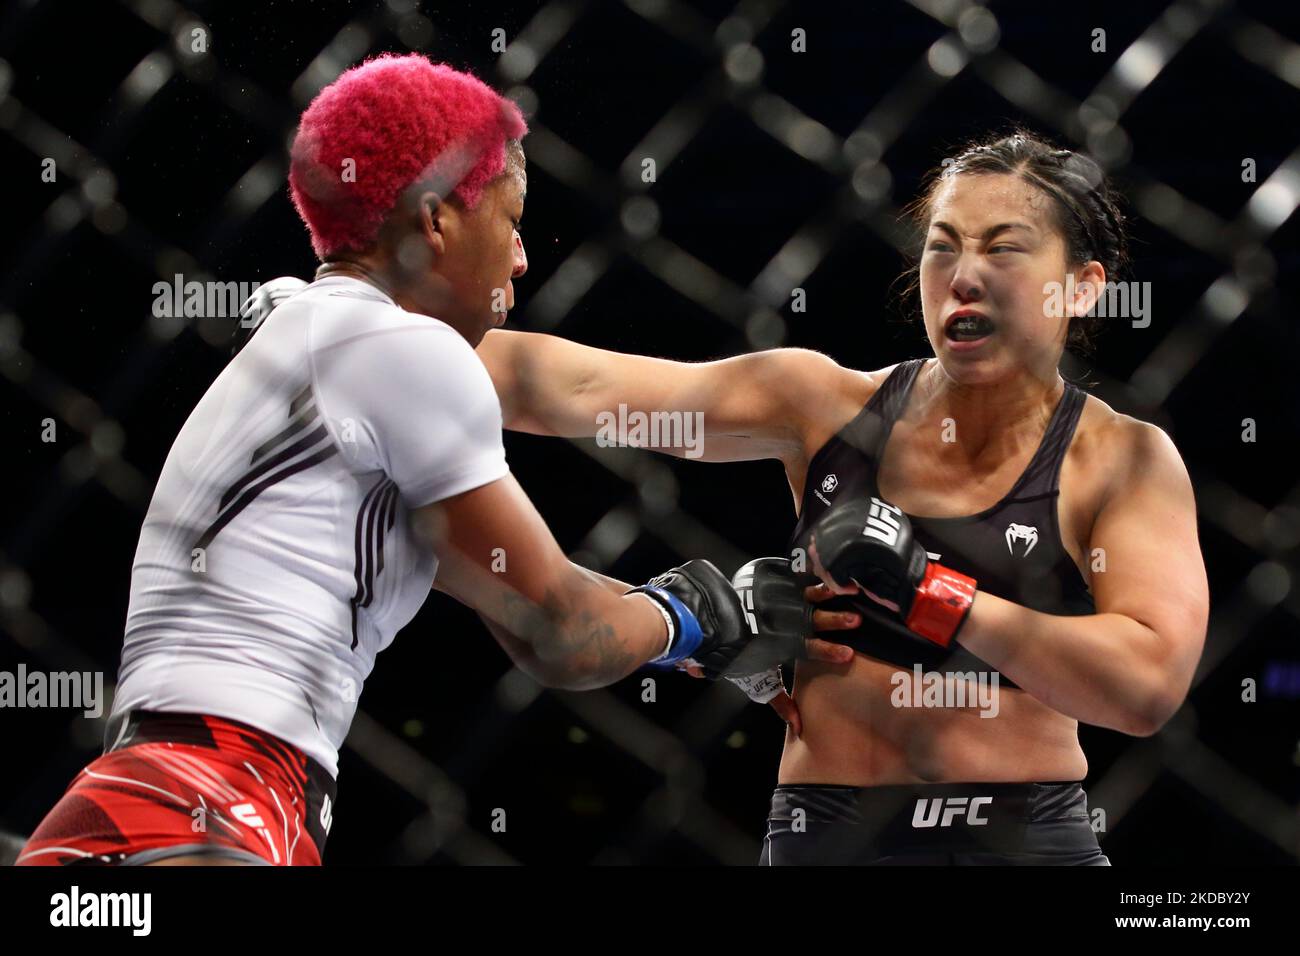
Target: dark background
(171, 162)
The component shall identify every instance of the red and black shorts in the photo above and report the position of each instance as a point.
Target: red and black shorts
(189, 784)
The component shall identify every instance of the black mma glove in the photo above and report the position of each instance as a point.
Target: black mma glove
(869, 542)
(706, 625)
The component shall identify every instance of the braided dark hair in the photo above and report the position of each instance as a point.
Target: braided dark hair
(1084, 204)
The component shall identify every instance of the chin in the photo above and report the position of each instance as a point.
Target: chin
(975, 369)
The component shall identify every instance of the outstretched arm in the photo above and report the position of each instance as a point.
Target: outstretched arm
(753, 406)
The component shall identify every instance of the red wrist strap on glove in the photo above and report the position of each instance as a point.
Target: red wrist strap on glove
(943, 599)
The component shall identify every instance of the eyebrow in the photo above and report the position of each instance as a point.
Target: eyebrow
(989, 233)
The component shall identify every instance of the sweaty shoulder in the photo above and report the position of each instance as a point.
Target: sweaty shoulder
(1139, 451)
(1108, 449)
(831, 395)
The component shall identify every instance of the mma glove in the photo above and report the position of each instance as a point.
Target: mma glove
(739, 632)
(870, 543)
(779, 617)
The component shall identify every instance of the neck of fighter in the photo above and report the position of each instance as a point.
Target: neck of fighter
(359, 268)
(423, 293)
(992, 417)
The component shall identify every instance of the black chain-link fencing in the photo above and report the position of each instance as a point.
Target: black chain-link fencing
(785, 139)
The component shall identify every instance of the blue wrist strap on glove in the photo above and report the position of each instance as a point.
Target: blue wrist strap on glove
(689, 635)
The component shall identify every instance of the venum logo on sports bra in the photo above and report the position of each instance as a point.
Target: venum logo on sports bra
(1021, 532)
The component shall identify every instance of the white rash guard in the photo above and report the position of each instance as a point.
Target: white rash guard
(276, 559)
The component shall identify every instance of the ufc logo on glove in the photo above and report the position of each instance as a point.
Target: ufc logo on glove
(882, 522)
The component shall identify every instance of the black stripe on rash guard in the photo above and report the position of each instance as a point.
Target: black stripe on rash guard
(291, 467)
(373, 517)
(296, 427)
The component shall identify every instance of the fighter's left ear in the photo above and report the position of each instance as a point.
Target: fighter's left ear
(1089, 280)
(433, 212)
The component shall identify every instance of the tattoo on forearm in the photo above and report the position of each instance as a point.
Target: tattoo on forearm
(565, 635)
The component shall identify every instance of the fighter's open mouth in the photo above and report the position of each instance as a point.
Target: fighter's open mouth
(967, 327)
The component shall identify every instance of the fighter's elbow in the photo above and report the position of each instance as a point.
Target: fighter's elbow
(566, 675)
(1150, 717)
(551, 674)
(555, 663)
(1162, 676)
(1142, 725)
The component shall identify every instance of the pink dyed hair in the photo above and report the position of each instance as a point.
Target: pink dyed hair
(401, 120)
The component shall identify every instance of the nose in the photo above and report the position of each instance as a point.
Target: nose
(966, 284)
(521, 257)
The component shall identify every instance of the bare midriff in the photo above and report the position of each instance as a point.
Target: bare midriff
(855, 735)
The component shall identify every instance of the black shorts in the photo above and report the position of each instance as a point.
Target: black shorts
(945, 824)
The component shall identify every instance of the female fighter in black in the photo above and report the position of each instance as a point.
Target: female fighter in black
(1073, 525)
